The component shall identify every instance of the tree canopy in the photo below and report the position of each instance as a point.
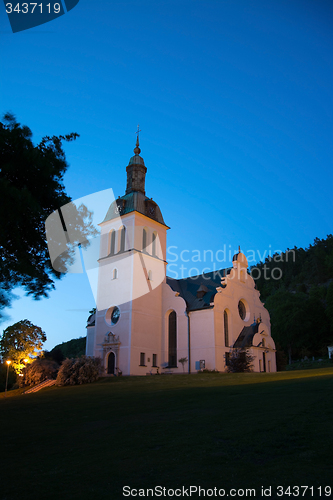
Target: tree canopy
(21, 341)
(31, 188)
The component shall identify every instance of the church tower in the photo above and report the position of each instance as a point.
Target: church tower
(125, 332)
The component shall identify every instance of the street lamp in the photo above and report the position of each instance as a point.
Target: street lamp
(8, 363)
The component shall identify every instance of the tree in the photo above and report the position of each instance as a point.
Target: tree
(329, 308)
(21, 341)
(12, 376)
(31, 188)
(182, 361)
(240, 361)
(299, 323)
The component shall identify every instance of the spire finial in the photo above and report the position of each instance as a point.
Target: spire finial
(239, 248)
(137, 150)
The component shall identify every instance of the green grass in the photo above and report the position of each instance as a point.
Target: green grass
(223, 430)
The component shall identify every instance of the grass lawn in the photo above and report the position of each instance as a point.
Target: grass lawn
(210, 430)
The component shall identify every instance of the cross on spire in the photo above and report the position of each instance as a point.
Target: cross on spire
(137, 149)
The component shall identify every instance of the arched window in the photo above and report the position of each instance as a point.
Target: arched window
(173, 339)
(112, 242)
(144, 239)
(154, 245)
(150, 275)
(242, 310)
(115, 274)
(122, 239)
(226, 329)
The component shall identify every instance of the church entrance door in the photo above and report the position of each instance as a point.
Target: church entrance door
(111, 360)
(264, 360)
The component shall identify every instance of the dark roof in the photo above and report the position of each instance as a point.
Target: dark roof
(134, 202)
(191, 289)
(91, 320)
(245, 338)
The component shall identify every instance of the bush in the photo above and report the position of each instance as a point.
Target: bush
(240, 361)
(82, 370)
(38, 371)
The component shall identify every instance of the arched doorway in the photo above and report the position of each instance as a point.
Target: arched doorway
(264, 361)
(111, 363)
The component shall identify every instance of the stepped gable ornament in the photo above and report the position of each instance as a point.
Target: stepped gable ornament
(111, 338)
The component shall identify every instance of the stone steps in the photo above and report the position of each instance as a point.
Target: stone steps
(46, 383)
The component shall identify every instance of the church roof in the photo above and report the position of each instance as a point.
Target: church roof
(134, 202)
(191, 289)
(245, 338)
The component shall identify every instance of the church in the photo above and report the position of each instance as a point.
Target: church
(148, 323)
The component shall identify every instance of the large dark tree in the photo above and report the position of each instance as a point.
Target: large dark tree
(31, 188)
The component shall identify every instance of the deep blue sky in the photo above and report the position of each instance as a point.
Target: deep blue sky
(234, 99)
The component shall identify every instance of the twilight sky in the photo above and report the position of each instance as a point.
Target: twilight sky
(235, 103)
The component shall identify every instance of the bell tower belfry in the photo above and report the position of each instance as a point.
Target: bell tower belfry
(136, 172)
(132, 266)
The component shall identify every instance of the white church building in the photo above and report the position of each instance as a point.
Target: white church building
(145, 322)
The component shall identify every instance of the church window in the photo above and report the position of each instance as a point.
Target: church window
(115, 274)
(150, 275)
(154, 244)
(173, 339)
(142, 358)
(242, 309)
(115, 315)
(112, 242)
(263, 342)
(112, 315)
(226, 329)
(155, 360)
(122, 239)
(144, 239)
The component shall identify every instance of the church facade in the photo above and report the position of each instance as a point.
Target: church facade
(146, 322)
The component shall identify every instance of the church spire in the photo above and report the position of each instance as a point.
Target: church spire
(136, 170)
(137, 150)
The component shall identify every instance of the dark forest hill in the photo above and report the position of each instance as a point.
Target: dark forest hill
(72, 349)
(297, 288)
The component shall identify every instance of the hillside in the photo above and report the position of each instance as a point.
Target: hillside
(297, 288)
